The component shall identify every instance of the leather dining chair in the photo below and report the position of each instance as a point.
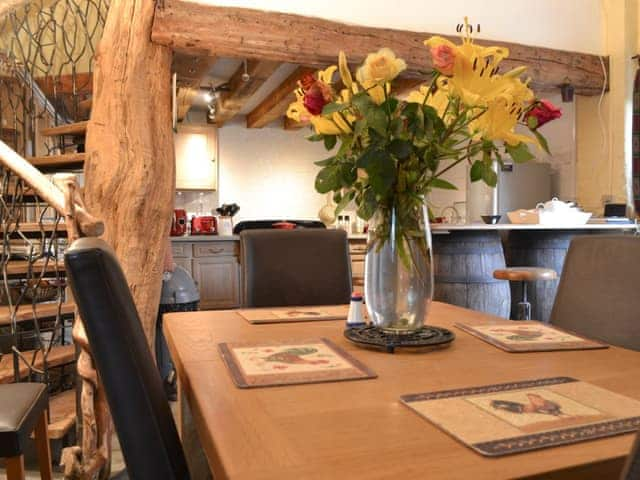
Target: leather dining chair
(131, 381)
(598, 291)
(295, 267)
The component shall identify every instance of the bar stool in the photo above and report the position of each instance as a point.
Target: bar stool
(524, 275)
(23, 410)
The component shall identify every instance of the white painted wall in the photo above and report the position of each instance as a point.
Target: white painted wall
(563, 24)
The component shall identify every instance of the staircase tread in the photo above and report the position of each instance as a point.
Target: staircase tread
(43, 310)
(62, 160)
(65, 129)
(34, 227)
(59, 355)
(17, 267)
(62, 413)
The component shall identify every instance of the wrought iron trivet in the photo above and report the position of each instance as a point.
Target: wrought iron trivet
(427, 336)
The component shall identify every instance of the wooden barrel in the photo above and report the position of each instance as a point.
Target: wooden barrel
(463, 263)
(539, 248)
(542, 248)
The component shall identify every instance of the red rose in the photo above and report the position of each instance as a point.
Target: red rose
(316, 97)
(543, 111)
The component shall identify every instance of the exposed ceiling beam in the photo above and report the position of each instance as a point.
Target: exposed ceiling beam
(275, 105)
(191, 71)
(232, 101)
(247, 33)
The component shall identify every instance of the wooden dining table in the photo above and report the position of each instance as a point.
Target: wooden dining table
(359, 429)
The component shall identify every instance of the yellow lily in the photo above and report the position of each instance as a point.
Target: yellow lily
(343, 67)
(437, 99)
(326, 75)
(498, 123)
(474, 78)
(296, 110)
(325, 126)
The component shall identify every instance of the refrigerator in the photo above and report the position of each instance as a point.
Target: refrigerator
(520, 185)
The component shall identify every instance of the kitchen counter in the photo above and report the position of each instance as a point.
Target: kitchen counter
(437, 227)
(205, 238)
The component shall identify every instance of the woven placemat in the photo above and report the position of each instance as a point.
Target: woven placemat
(507, 418)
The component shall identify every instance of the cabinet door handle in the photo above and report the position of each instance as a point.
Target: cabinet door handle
(215, 250)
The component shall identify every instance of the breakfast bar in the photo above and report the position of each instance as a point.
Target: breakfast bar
(465, 257)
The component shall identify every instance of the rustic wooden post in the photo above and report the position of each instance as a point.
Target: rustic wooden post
(130, 166)
(129, 184)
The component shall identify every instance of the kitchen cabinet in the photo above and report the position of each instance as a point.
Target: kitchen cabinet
(215, 269)
(218, 279)
(196, 150)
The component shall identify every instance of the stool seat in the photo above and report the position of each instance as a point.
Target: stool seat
(525, 274)
(21, 406)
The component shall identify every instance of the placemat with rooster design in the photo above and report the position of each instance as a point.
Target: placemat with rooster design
(529, 336)
(294, 314)
(264, 364)
(506, 418)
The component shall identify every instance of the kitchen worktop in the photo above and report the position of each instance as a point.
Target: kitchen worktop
(205, 238)
(521, 226)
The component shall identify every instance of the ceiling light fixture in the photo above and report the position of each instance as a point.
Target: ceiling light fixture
(245, 76)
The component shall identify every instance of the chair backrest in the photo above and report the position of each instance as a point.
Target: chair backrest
(295, 267)
(598, 291)
(131, 381)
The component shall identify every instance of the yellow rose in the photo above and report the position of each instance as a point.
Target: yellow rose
(380, 67)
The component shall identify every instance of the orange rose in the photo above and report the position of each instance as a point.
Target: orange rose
(443, 58)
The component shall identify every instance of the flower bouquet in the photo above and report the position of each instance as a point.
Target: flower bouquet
(391, 153)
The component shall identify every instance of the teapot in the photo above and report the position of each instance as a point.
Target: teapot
(555, 205)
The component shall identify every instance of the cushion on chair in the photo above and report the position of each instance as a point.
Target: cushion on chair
(598, 291)
(140, 411)
(21, 404)
(295, 267)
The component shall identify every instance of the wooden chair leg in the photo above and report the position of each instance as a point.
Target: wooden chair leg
(43, 448)
(15, 468)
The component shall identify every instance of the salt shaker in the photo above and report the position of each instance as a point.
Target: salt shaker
(355, 318)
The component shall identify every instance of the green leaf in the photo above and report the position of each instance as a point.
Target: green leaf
(368, 206)
(391, 103)
(377, 120)
(345, 201)
(328, 179)
(315, 138)
(380, 168)
(476, 171)
(333, 107)
(325, 162)
(441, 183)
(489, 176)
(532, 122)
(330, 141)
(348, 174)
(400, 149)
(542, 141)
(520, 153)
(362, 102)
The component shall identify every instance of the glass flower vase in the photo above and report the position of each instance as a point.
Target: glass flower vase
(398, 268)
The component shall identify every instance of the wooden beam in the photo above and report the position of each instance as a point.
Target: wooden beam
(247, 33)
(191, 71)
(275, 105)
(231, 102)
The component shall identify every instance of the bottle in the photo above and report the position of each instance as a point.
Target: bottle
(355, 318)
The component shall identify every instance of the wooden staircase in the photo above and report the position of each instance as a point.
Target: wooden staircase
(62, 406)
